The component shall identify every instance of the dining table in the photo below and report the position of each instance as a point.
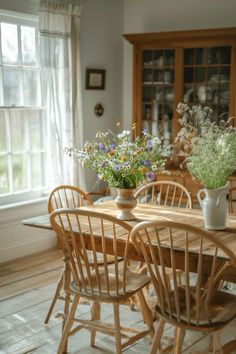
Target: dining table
(146, 212)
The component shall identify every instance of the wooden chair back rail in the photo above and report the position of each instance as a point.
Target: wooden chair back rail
(72, 226)
(188, 304)
(231, 193)
(165, 193)
(66, 196)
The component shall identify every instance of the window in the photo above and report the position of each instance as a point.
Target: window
(22, 145)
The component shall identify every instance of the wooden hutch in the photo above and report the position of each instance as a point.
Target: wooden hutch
(197, 67)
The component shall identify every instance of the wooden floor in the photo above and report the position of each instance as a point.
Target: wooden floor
(26, 289)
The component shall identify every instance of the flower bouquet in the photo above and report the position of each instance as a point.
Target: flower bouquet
(123, 160)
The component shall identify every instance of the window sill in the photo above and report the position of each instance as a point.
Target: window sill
(17, 205)
(15, 213)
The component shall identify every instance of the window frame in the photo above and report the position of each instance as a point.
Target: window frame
(30, 193)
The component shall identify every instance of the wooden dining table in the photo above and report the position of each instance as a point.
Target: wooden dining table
(146, 212)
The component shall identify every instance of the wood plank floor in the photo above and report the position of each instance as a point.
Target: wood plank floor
(26, 289)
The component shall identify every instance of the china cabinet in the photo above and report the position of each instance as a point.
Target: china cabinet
(196, 67)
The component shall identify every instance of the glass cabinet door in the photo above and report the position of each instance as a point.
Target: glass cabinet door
(158, 92)
(206, 78)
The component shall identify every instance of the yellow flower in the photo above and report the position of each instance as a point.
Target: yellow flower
(123, 158)
(143, 170)
(88, 148)
(138, 152)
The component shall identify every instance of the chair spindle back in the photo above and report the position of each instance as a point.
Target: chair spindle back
(161, 244)
(165, 193)
(66, 196)
(231, 194)
(79, 230)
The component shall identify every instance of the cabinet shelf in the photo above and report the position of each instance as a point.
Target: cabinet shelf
(206, 65)
(157, 67)
(157, 83)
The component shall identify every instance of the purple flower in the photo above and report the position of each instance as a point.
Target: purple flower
(144, 131)
(149, 144)
(151, 176)
(116, 168)
(112, 147)
(101, 147)
(147, 163)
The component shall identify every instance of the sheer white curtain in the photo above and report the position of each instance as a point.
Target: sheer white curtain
(59, 56)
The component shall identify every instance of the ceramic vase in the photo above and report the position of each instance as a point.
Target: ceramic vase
(214, 207)
(125, 202)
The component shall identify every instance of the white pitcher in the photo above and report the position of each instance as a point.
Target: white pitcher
(214, 207)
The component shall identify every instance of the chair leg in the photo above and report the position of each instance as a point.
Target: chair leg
(55, 298)
(217, 347)
(180, 333)
(68, 325)
(146, 312)
(95, 315)
(156, 343)
(117, 328)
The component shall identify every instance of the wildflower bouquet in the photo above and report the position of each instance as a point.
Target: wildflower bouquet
(123, 160)
(209, 148)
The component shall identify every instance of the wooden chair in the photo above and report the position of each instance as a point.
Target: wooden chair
(232, 208)
(165, 193)
(66, 196)
(197, 304)
(79, 230)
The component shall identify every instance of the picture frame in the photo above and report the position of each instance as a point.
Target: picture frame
(95, 79)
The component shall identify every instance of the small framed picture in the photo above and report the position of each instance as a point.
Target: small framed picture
(95, 79)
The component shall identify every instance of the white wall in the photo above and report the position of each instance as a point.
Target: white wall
(100, 48)
(168, 15)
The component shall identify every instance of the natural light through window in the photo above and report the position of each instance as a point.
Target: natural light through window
(22, 145)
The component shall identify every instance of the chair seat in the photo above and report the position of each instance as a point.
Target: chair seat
(221, 309)
(134, 282)
(100, 258)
